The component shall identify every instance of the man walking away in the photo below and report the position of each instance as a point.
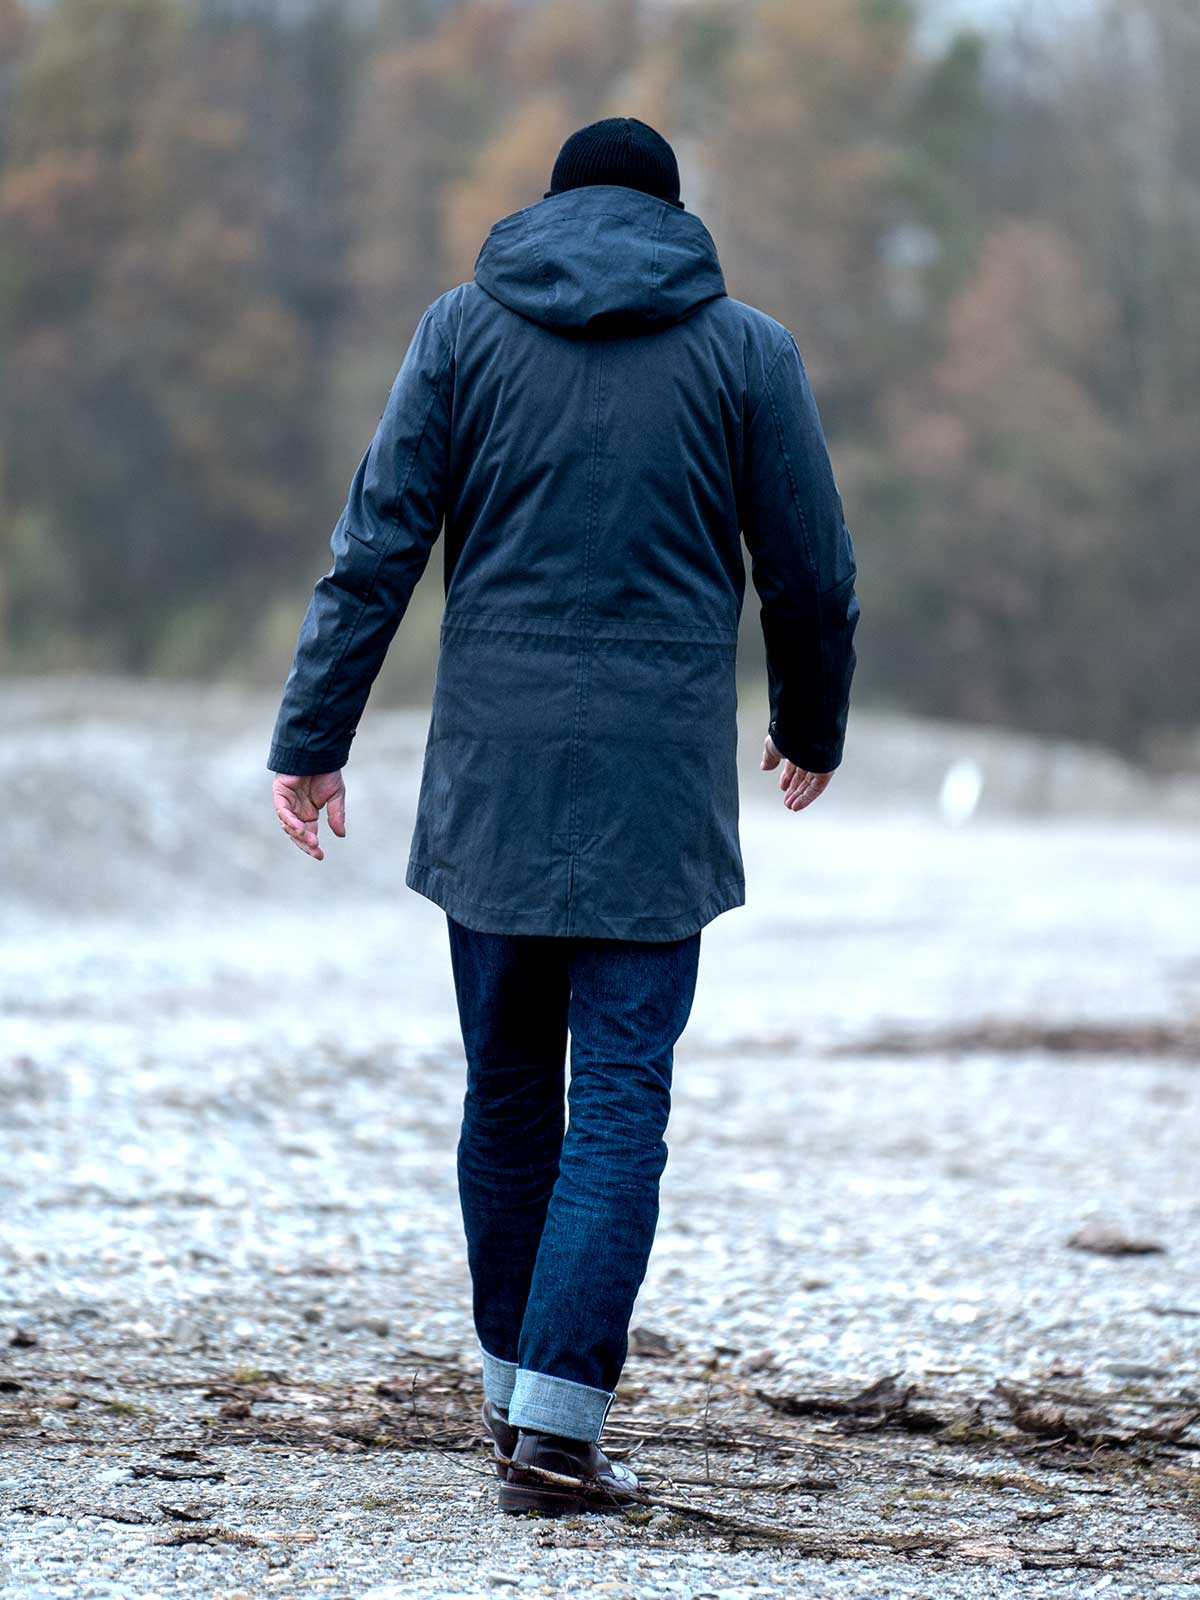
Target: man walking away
(596, 423)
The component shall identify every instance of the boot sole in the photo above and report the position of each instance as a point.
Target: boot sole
(547, 1502)
(550, 1502)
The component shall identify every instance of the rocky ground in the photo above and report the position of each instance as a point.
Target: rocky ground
(923, 1316)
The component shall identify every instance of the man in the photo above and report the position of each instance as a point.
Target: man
(596, 423)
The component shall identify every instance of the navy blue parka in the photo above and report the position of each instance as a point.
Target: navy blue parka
(595, 424)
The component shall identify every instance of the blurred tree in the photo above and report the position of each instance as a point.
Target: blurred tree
(220, 221)
(802, 158)
(998, 604)
(16, 34)
(513, 170)
(941, 187)
(430, 104)
(560, 68)
(1101, 134)
(167, 364)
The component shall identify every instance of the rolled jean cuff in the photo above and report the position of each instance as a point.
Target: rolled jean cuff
(548, 1404)
(498, 1377)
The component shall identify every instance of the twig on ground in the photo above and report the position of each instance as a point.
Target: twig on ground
(601, 1494)
(462, 1466)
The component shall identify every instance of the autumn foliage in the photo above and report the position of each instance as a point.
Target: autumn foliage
(219, 225)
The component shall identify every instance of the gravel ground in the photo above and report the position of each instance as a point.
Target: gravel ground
(235, 1344)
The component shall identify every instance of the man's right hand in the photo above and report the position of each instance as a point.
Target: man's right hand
(800, 788)
(298, 803)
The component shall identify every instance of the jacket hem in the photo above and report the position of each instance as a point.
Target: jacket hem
(432, 882)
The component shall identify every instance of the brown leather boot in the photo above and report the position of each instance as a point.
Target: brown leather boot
(605, 1483)
(502, 1434)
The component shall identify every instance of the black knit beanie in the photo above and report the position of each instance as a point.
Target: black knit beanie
(618, 150)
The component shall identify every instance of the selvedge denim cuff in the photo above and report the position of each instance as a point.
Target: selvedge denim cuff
(548, 1404)
(498, 1377)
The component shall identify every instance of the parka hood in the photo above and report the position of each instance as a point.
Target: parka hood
(600, 258)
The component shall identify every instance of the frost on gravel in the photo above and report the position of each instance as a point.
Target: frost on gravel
(923, 1314)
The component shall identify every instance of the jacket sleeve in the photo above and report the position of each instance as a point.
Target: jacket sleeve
(381, 544)
(802, 566)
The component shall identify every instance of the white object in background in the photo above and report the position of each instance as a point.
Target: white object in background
(960, 791)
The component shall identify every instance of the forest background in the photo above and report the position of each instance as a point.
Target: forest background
(220, 223)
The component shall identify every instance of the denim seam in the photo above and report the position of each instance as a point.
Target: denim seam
(543, 1420)
(571, 1383)
(500, 1361)
(496, 1366)
(582, 1405)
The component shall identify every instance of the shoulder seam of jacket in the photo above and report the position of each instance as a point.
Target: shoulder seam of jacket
(442, 334)
(787, 461)
(770, 373)
(537, 250)
(381, 555)
(655, 275)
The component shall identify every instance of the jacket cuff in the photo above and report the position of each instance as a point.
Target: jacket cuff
(297, 763)
(809, 757)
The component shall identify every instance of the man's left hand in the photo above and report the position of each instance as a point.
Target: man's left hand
(800, 787)
(298, 804)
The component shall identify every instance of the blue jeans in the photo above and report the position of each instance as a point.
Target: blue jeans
(560, 1211)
